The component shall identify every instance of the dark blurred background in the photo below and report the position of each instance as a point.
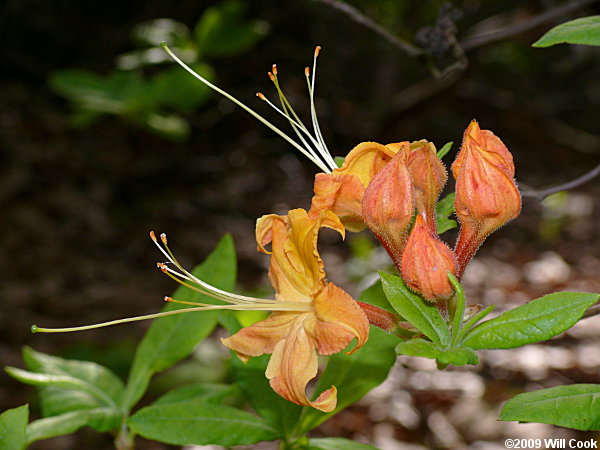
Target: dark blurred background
(104, 139)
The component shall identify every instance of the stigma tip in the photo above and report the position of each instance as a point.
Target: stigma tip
(163, 44)
(34, 328)
(317, 50)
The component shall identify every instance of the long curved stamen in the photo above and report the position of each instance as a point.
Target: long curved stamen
(313, 111)
(250, 111)
(297, 124)
(203, 286)
(280, 306)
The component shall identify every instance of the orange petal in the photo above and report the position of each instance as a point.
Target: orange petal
(261, 337)
(341, 194)
(296, 269)
(366, 160)
(294, 363)
(339, 320)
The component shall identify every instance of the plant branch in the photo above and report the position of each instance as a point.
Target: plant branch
(541, 194)
(363, 20)
(469, 43)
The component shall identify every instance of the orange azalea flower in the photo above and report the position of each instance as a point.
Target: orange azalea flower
(342, 190)
(328, 320)
(487, 196)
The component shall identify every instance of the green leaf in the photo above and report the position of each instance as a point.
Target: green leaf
(69, 422)
(419, 347)
(195, 422)
(13, 423)
(339, 161)
(91, 385)
(353, 375)
(576, 406)
(415, 309)
(457, 356)
(211, 393)
(535, 321)
(278, 412)
(445, 149)
(337, 444)
(172, 338)
(585, 30)
(443, 209)
(175, 88)
(375, 296)
(223, 31)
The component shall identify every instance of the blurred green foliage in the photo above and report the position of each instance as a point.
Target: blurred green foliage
(141, 91)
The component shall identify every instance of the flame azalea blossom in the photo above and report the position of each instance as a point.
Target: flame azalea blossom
(342, 191)
(330, 319)
(487, 196)
(426, 262)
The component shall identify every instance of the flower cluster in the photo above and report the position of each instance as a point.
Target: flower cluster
(391, 189)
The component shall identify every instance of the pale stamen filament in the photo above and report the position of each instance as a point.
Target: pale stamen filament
(313, 111)
(222, 295)
(250, 111)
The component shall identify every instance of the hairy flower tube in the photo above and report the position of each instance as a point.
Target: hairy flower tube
(428, 176)
(388, 205)
(487, 196)
(426, 262)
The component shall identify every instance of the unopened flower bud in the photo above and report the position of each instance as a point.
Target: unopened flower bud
(426, 262)
(388, 205)
(486, 194)
(428, 176)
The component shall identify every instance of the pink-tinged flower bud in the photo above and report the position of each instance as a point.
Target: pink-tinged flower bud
(486, 194)
(426, 262)
(428, 176)
(388, 205)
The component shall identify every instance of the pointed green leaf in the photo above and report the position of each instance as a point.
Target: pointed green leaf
(337, 444)
(585, 30)
(278, 412)
(576, 406)
(375, 296)
(353, 375)
(536, 321)
(443, 209)
(419, 347)
(412, 307)
(103, 419)
(195, 422)
(170, 339)
(457, 356)
(212, 393)
(445, 149)
(97, 385)
(13, 423)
